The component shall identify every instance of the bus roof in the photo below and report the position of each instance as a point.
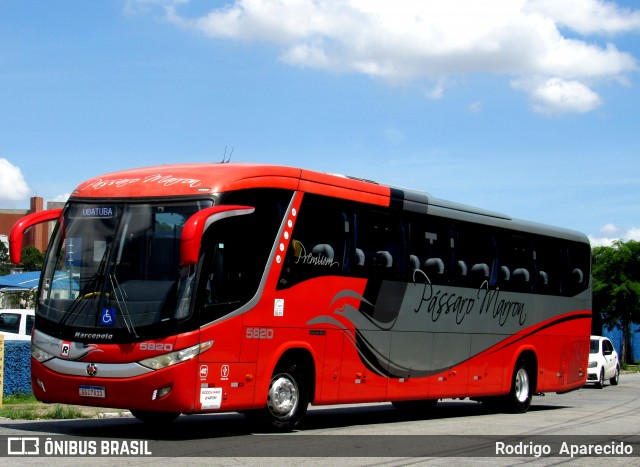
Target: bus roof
(212, 178)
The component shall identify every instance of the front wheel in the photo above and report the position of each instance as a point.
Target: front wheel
(519, 398)
(287, 399)
(600, 383)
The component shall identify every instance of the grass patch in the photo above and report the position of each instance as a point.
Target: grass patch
(27, 407)
(19, 399)
(63, 412)
(628, 367)
(19, 413)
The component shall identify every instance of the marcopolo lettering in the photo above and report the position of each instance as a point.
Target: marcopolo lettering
(88, 335)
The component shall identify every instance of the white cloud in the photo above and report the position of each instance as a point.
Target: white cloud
(61, 198)
(437, 92)
(588, 16)
(556, 95)
(475, 107)
(406, 41)
(13, 186)
(610, 233)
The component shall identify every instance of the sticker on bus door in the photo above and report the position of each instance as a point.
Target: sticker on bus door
(210, 398)
(278, 307)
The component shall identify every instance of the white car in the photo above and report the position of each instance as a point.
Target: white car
(603, 362)
(16, 324)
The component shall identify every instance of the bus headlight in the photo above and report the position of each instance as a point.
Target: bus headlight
(39, 354)
(163, 361)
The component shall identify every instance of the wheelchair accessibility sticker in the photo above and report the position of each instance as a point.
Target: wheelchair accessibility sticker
(108, 317)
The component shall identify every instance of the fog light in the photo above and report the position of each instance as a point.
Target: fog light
(160, 393)
(41, 385)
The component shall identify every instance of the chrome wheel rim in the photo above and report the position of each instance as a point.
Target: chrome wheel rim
(522, 385)
(283, 396)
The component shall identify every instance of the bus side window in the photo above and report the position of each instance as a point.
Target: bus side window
(475, 250)
(379, 244)
(577, 273)
(430, 248)
(517, 269)
(319, 242)
(548, 255)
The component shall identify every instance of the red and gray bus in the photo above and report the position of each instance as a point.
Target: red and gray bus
(202, 288)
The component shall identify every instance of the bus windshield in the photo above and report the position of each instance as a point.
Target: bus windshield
(113, 269)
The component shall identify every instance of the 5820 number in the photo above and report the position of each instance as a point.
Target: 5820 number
(259, 333)
(155, 346)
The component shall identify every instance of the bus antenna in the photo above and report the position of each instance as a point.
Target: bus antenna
(226, 160)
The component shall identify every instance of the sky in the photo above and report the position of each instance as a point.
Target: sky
(525, 107)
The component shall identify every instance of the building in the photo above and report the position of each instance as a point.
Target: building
(37, 236)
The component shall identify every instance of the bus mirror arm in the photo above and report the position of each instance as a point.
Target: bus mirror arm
(17, 232)
(196, 226)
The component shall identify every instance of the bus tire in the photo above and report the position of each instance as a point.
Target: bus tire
(287, 398)
(148, 416)
(521, 393)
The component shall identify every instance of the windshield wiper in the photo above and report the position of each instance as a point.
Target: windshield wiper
(120, 297)
(91, 290)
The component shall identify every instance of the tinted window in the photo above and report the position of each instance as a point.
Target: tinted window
(517, 269)
(475, 249)
(319, 243)
(10, 322)
(430, 248)
(236, 250)
(379, 245)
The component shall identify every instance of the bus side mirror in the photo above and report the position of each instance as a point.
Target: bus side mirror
(17, 232)
(197, 224)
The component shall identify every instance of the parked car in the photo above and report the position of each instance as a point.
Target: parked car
(16, 324)
(603, 362)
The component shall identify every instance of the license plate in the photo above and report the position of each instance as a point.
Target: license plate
(92, 391)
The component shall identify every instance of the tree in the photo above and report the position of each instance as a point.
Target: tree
(616, 289)
(32, 259)
(5, 266)
(26, 299)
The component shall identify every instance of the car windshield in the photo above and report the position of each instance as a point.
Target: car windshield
(114, 268)
(595, 346)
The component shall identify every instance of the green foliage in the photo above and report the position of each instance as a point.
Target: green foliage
(19, 398)
(26, 407)
(5, 265)
(616, 288)
(63, 412)
(32, 259)
(25, 299)
(19, 412)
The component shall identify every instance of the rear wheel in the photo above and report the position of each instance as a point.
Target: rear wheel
(600, 383)
(616, 377)
(519, 398)
(154, 417)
